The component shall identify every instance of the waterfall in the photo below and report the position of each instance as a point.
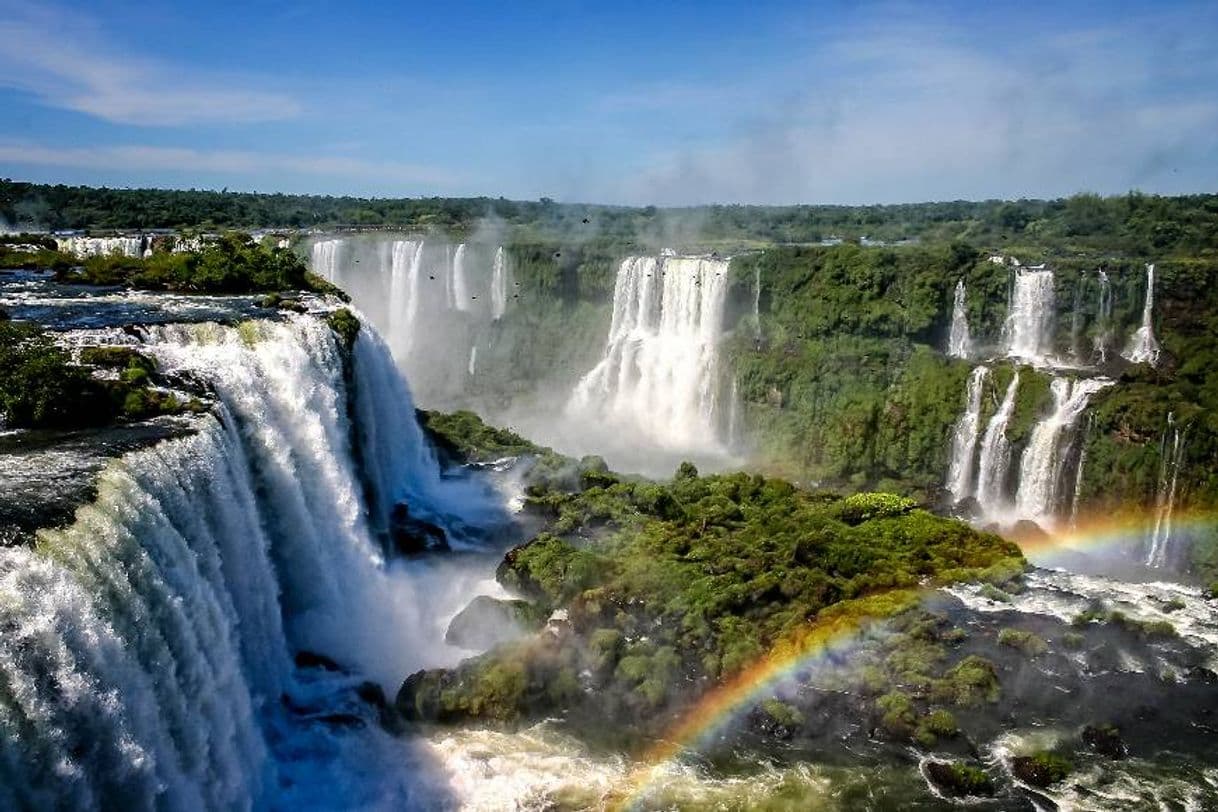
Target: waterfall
(964, 438)
(1078, 472)
(325, 260)
(460, 285)
(995, 457)
(1171, 456)
(404, 290)
(1103, 318)
(145, 647)
(658, 374)
(959, 342)
(433, 302)
(757, 302)
(84, 247)
(733, 416)
(1029, 324)
(499, 285)
(1042, 465)
(1143, 349)
(473, 360)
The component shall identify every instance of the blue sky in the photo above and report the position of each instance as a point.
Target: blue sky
(662, 102)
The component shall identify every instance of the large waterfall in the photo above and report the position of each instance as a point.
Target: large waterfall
(1030, 316)
(435, 303)
(145, 648)
(960, 341)
(659, 377)
(964, 438)
(995, 458)
(1143, 348)
(1043, 465)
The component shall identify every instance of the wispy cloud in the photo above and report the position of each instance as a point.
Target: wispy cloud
(64, 59)
(240, 164)
(906, 110)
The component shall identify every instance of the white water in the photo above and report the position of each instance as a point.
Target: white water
(1143, 348)
(1029, 326)
(960, 341)
(84, 247)
(1103, 318)
(658, 377)
(995, 458)
(757, 302)
(435, 303)
(1078, 472)
(1042, 467)
(145, 647)
(499, 284)
(1171, 456)
(960, 481)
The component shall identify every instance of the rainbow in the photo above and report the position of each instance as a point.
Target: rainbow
(1110, 533)
(823, 640)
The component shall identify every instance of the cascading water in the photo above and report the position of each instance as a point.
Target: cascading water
(658, 375)
(435, 303)
(1043, 463)
(1171, 456)
(145, 647)
(960, 480)
(1103, 318)
(83, 247)
(1143, 348)
(1029, 325)
(404, 295)
(1078, 472)
(757, 303)
(995, 456)
(499, 285)
(960, 341)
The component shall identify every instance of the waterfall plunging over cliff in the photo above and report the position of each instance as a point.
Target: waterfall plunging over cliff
(1029, 325)
(435, 303)
(964, 438)
(1103, 317)
(995, 456)
(84, 247)
(960, 341)
(1043, 465)
(145, 647)
(1171, 456)
(659, 375)
(1143, 348)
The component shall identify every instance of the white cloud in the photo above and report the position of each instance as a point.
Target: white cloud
(904, 111)
(241, 164)
(64, 60)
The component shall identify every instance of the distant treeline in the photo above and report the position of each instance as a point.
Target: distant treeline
(1133, 224)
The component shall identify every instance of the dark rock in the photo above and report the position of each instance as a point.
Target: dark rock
(1041, 769)
(1201, 674)
(418, 699)
(958, 780)
(1105, 740)
(373, 694)
(412, 536)
(486, 622)
(346, 720)
(311, 659)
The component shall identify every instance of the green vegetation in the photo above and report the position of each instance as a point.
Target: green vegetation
(1027, 642)
(1042, 769)
(959, 779)
(687, 582)
(345, 325)
(232, 264)
(1133, 223)
(40, 387)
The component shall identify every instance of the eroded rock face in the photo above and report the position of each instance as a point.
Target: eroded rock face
(412, 535)
(486, 622)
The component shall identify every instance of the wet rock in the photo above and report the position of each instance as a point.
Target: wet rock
(412, 535)
(486, 622)
(1105, 740)
(958, 780)
(1041, 769)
